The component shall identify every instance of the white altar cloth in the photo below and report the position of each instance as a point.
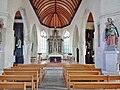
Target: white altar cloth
(55, 55)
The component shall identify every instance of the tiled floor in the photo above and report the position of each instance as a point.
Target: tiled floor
(53, 79)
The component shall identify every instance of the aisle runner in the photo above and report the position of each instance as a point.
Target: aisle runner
(53, 79)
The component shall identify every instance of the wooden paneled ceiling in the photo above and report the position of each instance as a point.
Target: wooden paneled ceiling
(55, 13)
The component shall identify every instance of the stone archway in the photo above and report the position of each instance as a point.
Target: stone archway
(89, 40)
(18, 38)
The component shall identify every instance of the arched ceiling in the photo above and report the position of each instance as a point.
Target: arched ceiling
(55, 13)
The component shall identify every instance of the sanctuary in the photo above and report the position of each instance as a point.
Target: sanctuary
(55, 46)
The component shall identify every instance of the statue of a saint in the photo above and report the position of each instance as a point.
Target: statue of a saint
(111, 33)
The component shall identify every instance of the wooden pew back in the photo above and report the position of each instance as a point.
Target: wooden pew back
(88, 77)
(37, 66)
(30, 65)
(34, 73)
(83, 73)
(96, 85)
(23, 78)
(79, 69)
(113, 77)
(79, 73)
(95, 78)
(82, 69)
(80, 65)
(13, 85)
(40, 73)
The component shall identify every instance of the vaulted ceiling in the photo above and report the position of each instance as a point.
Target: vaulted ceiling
(55, 13)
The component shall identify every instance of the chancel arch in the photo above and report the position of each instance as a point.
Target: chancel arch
(34, 42)
(89, 40)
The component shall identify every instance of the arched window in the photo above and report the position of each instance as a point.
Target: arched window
(43, 42)
(66, 42)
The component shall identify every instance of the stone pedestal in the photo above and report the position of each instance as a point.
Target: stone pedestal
(111, 63)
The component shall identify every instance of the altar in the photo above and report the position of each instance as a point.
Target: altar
(55, 58)
(55, 47)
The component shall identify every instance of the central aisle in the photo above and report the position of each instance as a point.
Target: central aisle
(53, 79)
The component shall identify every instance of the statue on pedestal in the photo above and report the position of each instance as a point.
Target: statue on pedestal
(110, 63)
(39, 58)
(111, 35)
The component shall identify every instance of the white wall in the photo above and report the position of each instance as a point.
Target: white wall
(80, 20)
(100, 13)
(75, 42)
(110, 9)
(29, 19)
(34, 42)
(4, 16)
(98, 8)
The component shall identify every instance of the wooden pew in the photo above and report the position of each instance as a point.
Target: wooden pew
(13, 85)
(95, 78)
(22, 78)
(82, 78)
(96, 85)
(113, 77)
(42, 66)
(40, 73)
(80, 73)
(39, 66)
(79, 65)
(31, 64)
(83, 73)
(80, 69)
(34, 73)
